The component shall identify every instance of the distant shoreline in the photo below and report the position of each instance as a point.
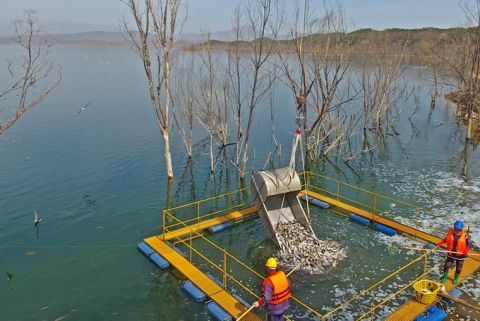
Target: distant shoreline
(415, 43)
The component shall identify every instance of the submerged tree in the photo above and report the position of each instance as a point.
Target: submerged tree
(382, 85)
(318, 75)
(157, 23)
(184, 110)
(258, 21)
(470, 82)
(459, 58)
(30, 75)
(213, 108)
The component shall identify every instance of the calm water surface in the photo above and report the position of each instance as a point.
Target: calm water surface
(97, 179)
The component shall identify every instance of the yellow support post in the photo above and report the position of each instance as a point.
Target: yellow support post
(198, 212)
(190, 247)
(338, 190)
(163, 224)
(229, 201)
(425, 263)
(417, 220)
(224, 270)
(373, 303)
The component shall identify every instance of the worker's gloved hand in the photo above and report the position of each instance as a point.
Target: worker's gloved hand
(255, 304)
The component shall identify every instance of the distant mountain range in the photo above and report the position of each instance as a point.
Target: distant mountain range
(92, 37)
(117, 38)
(359, 38)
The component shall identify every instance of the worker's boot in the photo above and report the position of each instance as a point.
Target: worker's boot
(455, 279)
(444, 278)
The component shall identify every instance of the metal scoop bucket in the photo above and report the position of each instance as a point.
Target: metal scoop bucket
(275, 194)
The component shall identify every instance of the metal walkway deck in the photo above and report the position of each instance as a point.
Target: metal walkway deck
(207, 285)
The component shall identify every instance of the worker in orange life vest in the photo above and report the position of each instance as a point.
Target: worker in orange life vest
(457, 247)
(275, 292)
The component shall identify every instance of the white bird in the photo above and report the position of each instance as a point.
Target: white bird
(83, 108)
(36, 219)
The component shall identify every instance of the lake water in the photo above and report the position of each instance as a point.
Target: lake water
(98, 181)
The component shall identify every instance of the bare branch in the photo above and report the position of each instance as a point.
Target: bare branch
(33, 69)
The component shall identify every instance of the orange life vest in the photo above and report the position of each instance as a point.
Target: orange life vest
(461, 242)
(280, 287)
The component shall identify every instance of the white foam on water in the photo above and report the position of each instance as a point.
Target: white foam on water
(472, 287)
(448, 195)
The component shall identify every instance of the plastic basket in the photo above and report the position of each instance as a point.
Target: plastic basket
(426, 291)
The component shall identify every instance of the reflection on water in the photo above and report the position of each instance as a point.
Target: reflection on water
(97, 178)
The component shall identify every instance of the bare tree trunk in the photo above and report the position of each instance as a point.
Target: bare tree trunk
(166, 124)
(212, 156)
(156, 24)
(168, 154)
(184, 113)
(234, 71)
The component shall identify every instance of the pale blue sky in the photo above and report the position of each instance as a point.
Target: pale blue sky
(215, 15)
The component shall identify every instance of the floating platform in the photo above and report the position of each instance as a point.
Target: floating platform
(208, 286)
(229, 306)
(413, 308)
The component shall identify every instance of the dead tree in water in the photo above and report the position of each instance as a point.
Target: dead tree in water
(472, 55)
(382, 85)
(213, 110)
(235, 76)
(248, 74)
(156, 24)
(29, 73)
(184, 103)
(332, 124)
(297, 71)
(318, 76)
(460, 66)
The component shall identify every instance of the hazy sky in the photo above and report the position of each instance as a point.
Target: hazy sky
(63, 16)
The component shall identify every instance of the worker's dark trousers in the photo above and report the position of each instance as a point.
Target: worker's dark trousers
(450, 262)
(275, 317)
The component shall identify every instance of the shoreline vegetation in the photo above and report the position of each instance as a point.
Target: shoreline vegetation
(362, 42)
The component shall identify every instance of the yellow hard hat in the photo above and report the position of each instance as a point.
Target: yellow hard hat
(271, 263)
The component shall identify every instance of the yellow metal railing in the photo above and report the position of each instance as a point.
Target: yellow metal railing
(375, 199)
(415, 269)
(419, 263)
(196, 209)
(222, 266)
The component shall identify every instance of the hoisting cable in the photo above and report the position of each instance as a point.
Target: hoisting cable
(304, 178)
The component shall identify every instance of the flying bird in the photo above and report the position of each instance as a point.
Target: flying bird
(83, 108)
(36, 219)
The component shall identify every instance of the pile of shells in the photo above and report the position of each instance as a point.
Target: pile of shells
(299, 246)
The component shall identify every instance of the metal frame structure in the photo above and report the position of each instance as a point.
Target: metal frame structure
(185, 225)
